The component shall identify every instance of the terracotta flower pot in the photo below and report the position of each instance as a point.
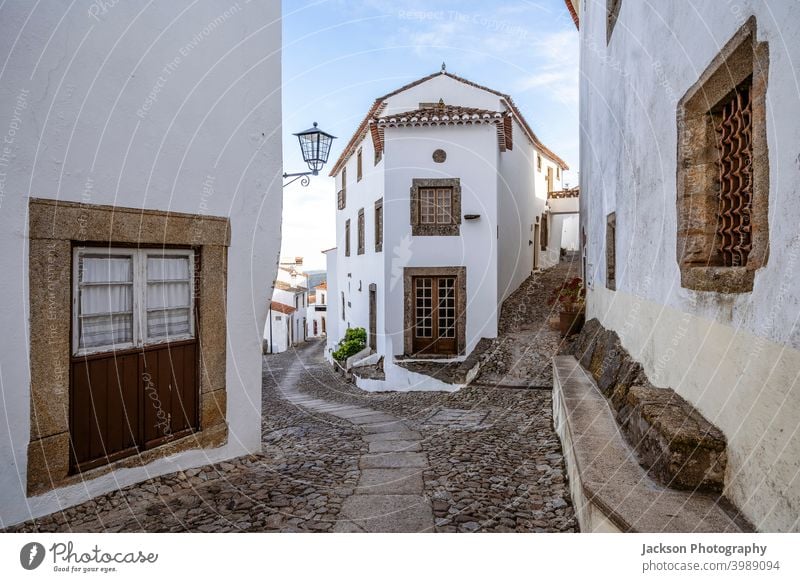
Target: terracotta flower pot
(570, 322)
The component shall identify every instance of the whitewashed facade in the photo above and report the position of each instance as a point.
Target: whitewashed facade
(722, 335)
(317, 312)
(442, 134)
(126, 130)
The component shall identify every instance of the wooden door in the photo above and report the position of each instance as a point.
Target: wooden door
(126, 402)
(435, 321)
(373, 317)
(536, 246)
(549, 180)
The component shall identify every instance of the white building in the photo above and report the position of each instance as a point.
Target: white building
(697, 272)
(288, 308)
(133, 235)
(317, 312)
(442, 195)
(279, 332)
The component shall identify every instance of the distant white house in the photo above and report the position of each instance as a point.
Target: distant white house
(279, 332)
(288, 306)
(317, 311)
(442, 211)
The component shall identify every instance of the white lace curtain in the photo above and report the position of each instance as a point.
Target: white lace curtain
(168, 297)
(106, 301)
(106, 290)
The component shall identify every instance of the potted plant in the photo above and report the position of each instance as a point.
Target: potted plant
(571, 300)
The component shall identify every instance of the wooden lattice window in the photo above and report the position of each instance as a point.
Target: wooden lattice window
(723, 169)
(347, 238)
(733, 123)
(379, 225)
(436, 206)
(423, 308)
(361, 237)
(447, 307)
(611, 251)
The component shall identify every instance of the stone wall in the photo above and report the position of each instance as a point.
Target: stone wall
(673, 441)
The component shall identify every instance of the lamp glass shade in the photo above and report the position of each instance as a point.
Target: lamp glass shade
(316, 146)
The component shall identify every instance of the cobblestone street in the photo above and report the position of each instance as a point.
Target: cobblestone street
(337, 459)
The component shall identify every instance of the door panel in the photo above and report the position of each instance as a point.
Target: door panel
(104, 415)
(127, 402)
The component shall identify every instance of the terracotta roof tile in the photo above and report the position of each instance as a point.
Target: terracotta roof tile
(574, 14)
(281, 308)
(379, 105)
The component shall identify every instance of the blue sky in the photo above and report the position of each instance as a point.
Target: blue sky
(340, 55)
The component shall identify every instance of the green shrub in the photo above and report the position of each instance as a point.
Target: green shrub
(355, 340)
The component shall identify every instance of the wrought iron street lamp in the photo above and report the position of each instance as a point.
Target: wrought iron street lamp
(315, 145)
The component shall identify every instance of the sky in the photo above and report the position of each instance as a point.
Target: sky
(339, 55)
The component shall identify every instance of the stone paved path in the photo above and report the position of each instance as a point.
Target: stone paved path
(335, 458)
(389, 493)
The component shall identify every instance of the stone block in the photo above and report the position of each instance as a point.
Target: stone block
(674, 442)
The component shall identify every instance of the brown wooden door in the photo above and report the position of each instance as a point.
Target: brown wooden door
(373, 317)
(435, 315)
(536, 246)
(126, 402)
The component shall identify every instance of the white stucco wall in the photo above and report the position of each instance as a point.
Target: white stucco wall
(735, 357)
(280, 331)
(162, 106)
(334, 301)
(472, 154)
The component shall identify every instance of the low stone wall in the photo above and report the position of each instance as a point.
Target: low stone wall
(673, 441)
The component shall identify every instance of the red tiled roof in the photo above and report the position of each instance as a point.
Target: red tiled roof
(283, 286)
(322, 285)
(444, 114)
(281, 307)
(379, 104)
(572, 13)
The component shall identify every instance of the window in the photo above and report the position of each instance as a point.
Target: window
(347, 238)
(612, 12)
(128, 298)
(436, 207)
(723, 170)
(379, 225)
(343, 306)
(538, 163)
(558, 172)
(342, 194)
(361, 231)
(378, 155)
(359, 166)
(611, 251)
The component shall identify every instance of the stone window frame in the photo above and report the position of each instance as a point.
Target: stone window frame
(379, 225)
(611, 251)
(55, 229)
(742, 57)
(538, 162)
(612, 15)
(460, 273)
(452, 229)
(347, 238)
(362, 235)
